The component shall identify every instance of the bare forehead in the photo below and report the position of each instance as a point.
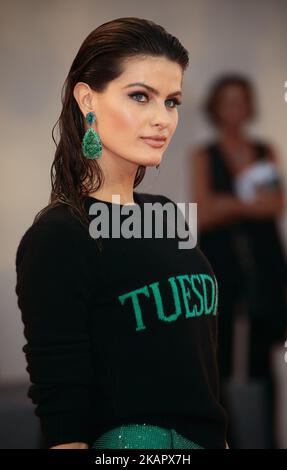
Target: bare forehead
(157, 73)
(233, 89)
(151, 65)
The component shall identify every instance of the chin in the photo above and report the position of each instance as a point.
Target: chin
(144, 161)
(150, 163)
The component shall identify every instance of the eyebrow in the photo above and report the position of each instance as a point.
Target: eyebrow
(153, 90)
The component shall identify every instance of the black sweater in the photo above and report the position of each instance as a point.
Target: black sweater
(122, 335)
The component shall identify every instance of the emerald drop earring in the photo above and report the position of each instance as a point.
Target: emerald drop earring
(91, 144)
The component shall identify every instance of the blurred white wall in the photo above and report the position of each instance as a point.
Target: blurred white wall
(38, 43)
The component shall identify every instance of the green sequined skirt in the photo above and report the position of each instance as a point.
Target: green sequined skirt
(143, 436)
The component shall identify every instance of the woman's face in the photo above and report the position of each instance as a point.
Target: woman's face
(233, 107)
(126, 113)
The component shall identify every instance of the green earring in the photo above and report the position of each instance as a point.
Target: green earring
(92, 144)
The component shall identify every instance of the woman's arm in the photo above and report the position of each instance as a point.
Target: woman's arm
(72, 445)
(54, 285)
(214, 209)
(217, 209)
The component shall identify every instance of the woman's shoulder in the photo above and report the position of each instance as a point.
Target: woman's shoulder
(55, 226)
(52, 218)
(202, 154)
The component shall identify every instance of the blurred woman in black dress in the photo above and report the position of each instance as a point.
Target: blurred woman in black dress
(238, 188)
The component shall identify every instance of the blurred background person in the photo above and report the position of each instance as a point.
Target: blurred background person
(238, 187)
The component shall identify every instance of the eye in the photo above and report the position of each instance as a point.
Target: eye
(175, 100)
(138, 94)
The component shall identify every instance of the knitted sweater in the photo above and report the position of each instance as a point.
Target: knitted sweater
(126, 334)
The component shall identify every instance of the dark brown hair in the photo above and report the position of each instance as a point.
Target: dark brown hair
(218, 86)
(99, 60)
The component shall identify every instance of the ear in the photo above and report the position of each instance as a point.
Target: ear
(84, 97)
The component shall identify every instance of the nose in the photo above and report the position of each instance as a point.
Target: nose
(162, 117)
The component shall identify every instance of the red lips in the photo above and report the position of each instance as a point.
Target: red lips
(155, 137)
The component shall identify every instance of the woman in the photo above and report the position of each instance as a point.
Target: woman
(116, 357)
(238, 189)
